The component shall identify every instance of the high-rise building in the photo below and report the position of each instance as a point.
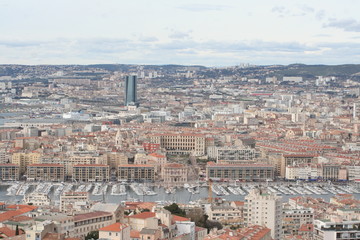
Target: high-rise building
(130, 90)
(262, 208)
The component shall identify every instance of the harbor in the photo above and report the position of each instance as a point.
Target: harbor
(119, 192)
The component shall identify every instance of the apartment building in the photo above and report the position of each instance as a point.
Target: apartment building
(295, 159)
(262, 208)
(73, 201)
(226, 212)
(92, 221)
(136, 172)
(114, 159)
(25, 159)
(181, 143)
(9, 172)
(294, 219)
(303, 172)
(76, 159)
(248, 172)
(45, 172)
(235, 155)
(91, 173)
(331, 230)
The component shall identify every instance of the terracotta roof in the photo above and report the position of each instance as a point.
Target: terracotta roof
(157, 155)
(52, 236)
(45, 165)
(174, 165)
(180, 219)
(134, 234)
(90, 215)
(91, 165)
(8, 165)
(7, 232)
(116, 227)
(135, 165)
(20, 218)
(239, 203)
(143, 215)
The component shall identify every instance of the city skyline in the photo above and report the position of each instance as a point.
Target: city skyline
(209, 33)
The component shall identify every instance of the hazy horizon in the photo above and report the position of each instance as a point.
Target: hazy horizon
(207, 33)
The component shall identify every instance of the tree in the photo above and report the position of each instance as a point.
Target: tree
(198, 216)
(92, 235)
(174, 209)
(17, 232)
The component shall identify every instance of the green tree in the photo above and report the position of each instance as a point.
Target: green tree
(174, 209)
(92, 235)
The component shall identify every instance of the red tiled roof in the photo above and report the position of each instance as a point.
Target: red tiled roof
(180, 219)
(135, 165)
(134, 234)
(116, 227)
(45, 165)
(157, 155)
(7, 232)
(143, 215)
(239, 203)
(91, 165)
(90, 215)
(174, 165)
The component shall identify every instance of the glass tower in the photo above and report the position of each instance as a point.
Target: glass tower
(130, 90)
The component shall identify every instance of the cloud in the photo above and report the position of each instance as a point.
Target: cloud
(175, 51)
(20, 43)
(281, 11)
(202, 7)
(348, 25)
(148, 39)
(179, 35)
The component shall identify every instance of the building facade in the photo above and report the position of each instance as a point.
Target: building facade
(174, 174)
(262, 208)
(235, 155)
(248, 172)
(180, 144)
(9, 172)
(136, 172)
(130, 90)
(329, 230)
(46, 172)
(91, 173)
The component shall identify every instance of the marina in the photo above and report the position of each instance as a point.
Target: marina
(117, 192)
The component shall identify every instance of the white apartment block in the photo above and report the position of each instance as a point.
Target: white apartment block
(262, 208)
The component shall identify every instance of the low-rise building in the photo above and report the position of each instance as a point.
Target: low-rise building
(92, 221)
(116, 231)
(143, 220)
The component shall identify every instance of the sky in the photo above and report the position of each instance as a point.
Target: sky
(189, 32)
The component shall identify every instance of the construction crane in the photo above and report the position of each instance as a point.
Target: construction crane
(210, 198)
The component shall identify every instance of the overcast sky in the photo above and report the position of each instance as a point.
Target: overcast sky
(208, 32)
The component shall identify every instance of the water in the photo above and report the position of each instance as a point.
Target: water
(182, 195)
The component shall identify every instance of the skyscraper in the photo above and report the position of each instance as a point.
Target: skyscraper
(130, 90)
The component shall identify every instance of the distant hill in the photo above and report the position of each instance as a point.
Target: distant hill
(320, 70)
